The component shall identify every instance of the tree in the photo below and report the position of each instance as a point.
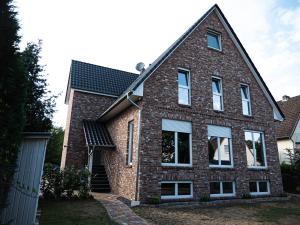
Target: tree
(40, 104)
(12, 96)
(55, 146)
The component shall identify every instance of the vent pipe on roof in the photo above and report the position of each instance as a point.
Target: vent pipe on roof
(285, 98)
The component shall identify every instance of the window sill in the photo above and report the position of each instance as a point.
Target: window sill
(221, 167)
(248, 116)
(170, 197)
(185, 106)
(222, 195)
(218, 111)
(257, 168)
(177, 165)
(256, 194)
(215, 49)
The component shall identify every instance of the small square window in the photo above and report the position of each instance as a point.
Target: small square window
(259, 187)
(176, 189)
(167, 189)
(214, 40)
(222, 189)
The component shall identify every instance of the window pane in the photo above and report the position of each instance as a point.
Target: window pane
(259, 149)
(225, 151)
(168, 147)
(216, 86)
(246, 107)
(215, 188)
(227, 187)
(244, 92)
(263, 186)
(183, 148)
(184, 189)
(249, 148)
(183, 78)
(213, 41)
(167, 189)
(217, 104)
(253, 187)
(183, 96)
(213, 150)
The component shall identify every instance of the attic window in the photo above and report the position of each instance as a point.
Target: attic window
(214, 40)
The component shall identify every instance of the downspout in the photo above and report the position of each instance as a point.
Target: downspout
(138, 148)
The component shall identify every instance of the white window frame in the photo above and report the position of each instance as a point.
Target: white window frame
(215, 33)
(219, 155)
(176, 196)
(254, 150)
(176, 152)
(257, 188)
(185, 87)
(246, 100)
(221, 190)
(219, 95)
(130, 142)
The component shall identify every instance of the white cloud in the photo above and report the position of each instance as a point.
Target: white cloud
(119, 34)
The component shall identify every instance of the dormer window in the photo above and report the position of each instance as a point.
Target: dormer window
(214, 40)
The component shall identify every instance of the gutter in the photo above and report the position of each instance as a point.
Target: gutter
(136, 202)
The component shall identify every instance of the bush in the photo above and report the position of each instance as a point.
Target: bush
(246, 196)
(60, 184)
(205, 198)
(153, 200)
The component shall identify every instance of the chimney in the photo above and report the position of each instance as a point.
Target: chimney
(285, 98)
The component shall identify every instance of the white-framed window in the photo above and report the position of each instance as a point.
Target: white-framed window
(129, 143)
(176, 189)
(219, 146)
(184, 87)
(222, 189)
(255, 149)
(217, 94)
(245, 93)
(259, 187)
(214, 40)
(176, 143)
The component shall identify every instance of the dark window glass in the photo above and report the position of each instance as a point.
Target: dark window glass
(184, 189)
(213, 150)
(253, 187)
(168, 147)
(183, 148)
(227, 187)
(260, 159)
(215, 188)
(263, 186)
(167, 189)
(213, 41)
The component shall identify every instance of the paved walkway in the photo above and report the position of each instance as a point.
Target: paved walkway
(118, 211)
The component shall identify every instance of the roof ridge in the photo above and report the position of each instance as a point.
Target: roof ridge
(129, 73)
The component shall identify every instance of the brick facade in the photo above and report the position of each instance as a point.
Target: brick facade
(161, 101)
(81, 106)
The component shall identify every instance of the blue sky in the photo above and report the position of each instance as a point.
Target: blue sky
(119, 34)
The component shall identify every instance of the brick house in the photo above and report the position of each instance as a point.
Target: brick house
(199, 121)
(288, 133)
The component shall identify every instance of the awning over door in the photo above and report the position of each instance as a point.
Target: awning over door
(96, 134)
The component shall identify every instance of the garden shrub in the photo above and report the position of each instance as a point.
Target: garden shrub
(153, 199)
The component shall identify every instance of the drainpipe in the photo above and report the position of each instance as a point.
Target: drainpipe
(90, 162)
(138, 148)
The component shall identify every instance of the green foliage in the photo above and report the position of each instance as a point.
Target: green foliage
(58, 184)
(40, 103)
(12, 96)
(55, 146)
(205, 198)
(246, 196)
(153, 199)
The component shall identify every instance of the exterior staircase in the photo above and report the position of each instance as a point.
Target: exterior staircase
(99, 181)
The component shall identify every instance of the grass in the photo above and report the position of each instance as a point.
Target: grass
(73, 212)
(260, 213)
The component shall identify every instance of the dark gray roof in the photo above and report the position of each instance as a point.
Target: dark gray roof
(96, 134)
(99, 79)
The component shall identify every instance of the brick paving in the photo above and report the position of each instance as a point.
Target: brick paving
(118, 211)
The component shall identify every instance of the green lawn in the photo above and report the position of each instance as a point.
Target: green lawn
(73, 212)
(271, 213)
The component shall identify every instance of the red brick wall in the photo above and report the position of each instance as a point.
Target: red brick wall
(161, 101)
(81, 106)
(121, 176)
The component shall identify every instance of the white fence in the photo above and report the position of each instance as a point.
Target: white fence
(23, 196)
